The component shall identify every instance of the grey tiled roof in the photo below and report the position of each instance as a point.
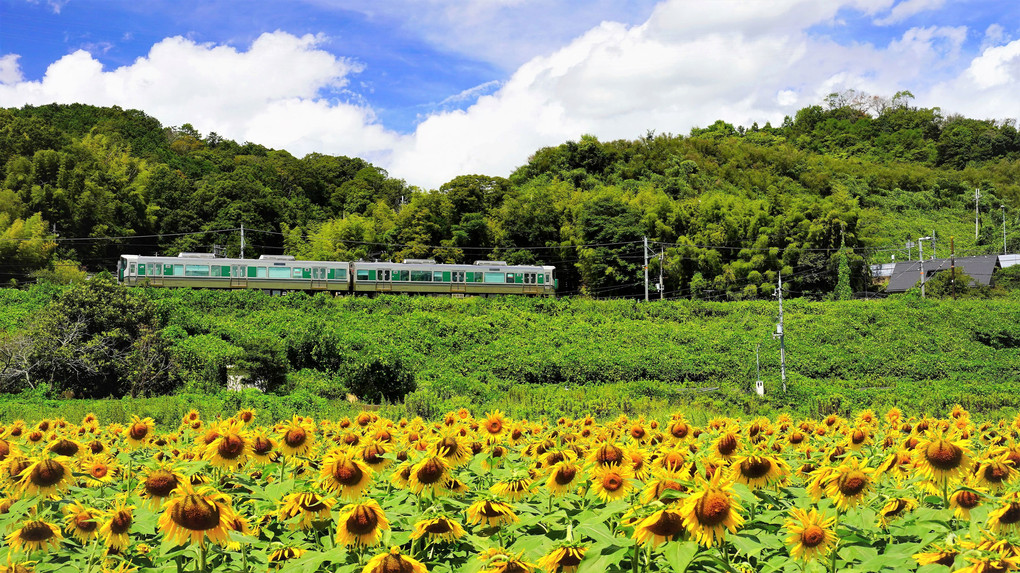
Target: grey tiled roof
(907, 275)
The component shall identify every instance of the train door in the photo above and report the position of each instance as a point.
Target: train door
(318, 278)
(238, 276)
(383, 283)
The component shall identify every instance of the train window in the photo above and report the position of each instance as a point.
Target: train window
(437, 276)
(362, 274)
(196, 270)
(510, 278)
(492, 277)
(421, 276)
(403, 275)
(385, 274)
(178, 270)
(295, 273)
(548, 279)
(214, 270)
(261, 272)
(279, 273)
(131, 269)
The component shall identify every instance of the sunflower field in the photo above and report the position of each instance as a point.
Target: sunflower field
(496, 495)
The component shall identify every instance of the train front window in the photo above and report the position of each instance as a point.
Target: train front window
(362, 274)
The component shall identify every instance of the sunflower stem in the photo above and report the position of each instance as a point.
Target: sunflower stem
(945, 492)
(835, 546)
(634, 561)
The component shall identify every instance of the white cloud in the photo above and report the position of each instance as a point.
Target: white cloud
(908, 8)
(270, 94)
(10, 71)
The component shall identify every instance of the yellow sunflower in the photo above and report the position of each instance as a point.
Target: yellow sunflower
(98, 469)
(344, 474)
(231, 449)
(35, 535)
(139, 431)
(1007, 517)
(848, 484)
(494, 423)
(514, 489)
(995, 473)
(938, 555)
(501, 561)
(361, 524)
(262, 447)
(81, 522)
(46, 477)
(662, 526)
(296, 437)
(157, 484)
(309, 506)
(563, 559)
(278, 558)
(116, 525)
(65, 447)
(563, 477)
(964, 500)
(757, 471)
(440, 528)
(656, 489)
(491, 513)
(811, 535)
(429, 475)
(712, 510)
(896, 508)
(612, 482)
(393, 561)
(451, 448)
(191, 516)
(941, 459)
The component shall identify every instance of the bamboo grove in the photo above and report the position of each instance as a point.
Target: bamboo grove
(498, 495)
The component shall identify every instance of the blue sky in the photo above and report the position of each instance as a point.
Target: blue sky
(430, 89)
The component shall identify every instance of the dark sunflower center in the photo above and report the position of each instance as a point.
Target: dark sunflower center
(295, 438)
(121, 522)
(673, 461)
(313, 504)
(679, 430)
(612, 482)
(489, 510)
(15, 469)
(373, 455)
(668, 524)
(812, 536)
(230, 447)
(395, 564)
(160, 483)
(554, 458)
(84, 522)
(896, 509)
(609, 455)
(853, 483)
(196, 513)
(637, 432)
(996, 473)
(35, 436)
(968, 499)
(262, 446)
(47, 473)
(5, 450)
(362, 521)
(99, 470)
(351, 439)
(439, 527)
(565, 475)
(347, 474)
(494, 426)
(727, 445)
(713, 508)
(430, 472)
(64, 448)
(36, 531)
(138, 431)
(1011, 515)
(944, 455)
(858, 437)
(755, 467)
(570, 559)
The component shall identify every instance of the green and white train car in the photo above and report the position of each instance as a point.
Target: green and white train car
(202, 270)
(285, 273)
(428, 277)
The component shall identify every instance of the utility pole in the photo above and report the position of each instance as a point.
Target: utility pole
(781, 335)
(977, 197)
(646, 268)
(910, 245)
(662, 263)
(920, 251)
(952, 265)
(1003, 207)
(933, 250)
(242, 240)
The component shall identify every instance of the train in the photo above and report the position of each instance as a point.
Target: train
(284, 273)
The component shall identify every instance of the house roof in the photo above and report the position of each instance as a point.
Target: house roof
(1009, 260)
(907, 275)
